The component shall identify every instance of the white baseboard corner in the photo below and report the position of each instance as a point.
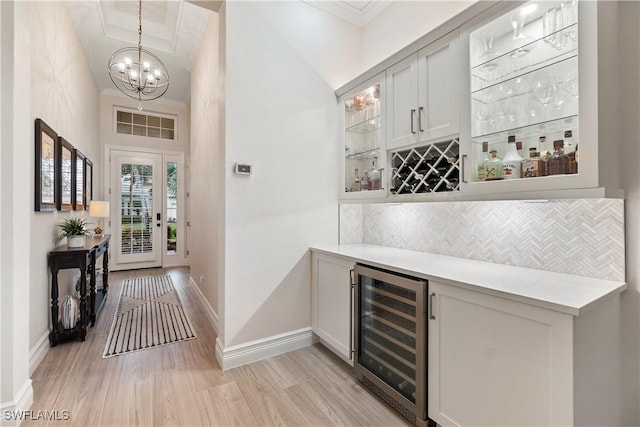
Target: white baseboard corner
(211, 313)
(253, 351)
(12, 411)
(38, 352)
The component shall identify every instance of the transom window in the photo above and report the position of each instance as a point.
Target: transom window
(154, 126)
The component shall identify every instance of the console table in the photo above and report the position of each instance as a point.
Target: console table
(84, 259)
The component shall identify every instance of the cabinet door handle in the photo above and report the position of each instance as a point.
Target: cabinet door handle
(420, 109)
(413, 112)
(462, 162)
(431, 316)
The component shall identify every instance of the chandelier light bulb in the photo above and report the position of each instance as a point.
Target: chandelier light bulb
(140, 82)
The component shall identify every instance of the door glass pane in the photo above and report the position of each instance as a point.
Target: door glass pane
(172, 207)
(136, 208)
(388, 334)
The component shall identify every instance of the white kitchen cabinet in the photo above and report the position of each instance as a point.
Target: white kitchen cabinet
(532, 72)
(363, 112)
(332, 303)
(497, 362)
(423, 97)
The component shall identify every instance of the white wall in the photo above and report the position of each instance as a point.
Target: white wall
(108, 136)
(207, 160)
(16, 139)
(280, 117)
(63, 94)
(401, 23)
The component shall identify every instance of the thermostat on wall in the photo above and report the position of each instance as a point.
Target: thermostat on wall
(242, 169)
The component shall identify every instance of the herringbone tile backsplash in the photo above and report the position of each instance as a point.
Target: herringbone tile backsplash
(583, 237)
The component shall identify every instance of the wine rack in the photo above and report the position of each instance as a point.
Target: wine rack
(429, 168)
(391, 336)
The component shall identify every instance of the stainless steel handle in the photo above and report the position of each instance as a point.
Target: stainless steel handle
(413, 112)
(462, 162)
(353, 308)
(420, 109)
(431, 316)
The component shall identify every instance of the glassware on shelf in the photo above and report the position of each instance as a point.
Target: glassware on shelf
(363, 139)
(490, 52)
(558, 25)
(522, 42)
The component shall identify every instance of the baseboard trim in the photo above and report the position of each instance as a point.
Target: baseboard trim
(17, 406)
(38, 352)
(211, 313)
(253, 351)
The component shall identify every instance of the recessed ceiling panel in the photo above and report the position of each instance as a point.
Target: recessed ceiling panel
(159, 22)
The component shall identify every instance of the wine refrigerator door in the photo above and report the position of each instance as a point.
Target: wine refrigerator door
(391, 337)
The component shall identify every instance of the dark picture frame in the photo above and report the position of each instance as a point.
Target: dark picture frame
(46, 175)
(88, 182)
(79, 173)
(65, 166)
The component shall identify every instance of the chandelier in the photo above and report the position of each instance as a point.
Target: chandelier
(138, 73)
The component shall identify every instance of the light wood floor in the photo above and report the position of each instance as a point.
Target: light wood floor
(181, 384)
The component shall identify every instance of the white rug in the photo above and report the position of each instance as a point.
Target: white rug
(149, 314)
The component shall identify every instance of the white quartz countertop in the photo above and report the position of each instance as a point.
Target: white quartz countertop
(556, 291)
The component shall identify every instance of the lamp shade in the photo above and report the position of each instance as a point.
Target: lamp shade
(99, 209)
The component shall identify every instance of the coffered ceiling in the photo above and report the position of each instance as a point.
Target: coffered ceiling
(173, 30)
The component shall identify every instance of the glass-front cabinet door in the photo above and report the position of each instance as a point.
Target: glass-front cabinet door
(364, 147)
(525, 101)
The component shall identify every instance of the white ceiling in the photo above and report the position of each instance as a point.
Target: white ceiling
(171, 29)
(357, 12)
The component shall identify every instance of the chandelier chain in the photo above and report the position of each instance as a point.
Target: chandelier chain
(140, 24)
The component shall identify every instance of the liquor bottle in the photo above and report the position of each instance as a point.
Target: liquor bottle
(545, 153)
(512, 161)
(365, 184)
(533, 166)
(519, 149)
(482, 164)
(356, 182)
(570, 148)
(569, 143)
(558, 163)
(494, 166)
(375, 181)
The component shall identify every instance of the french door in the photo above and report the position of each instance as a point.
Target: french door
(147, 213)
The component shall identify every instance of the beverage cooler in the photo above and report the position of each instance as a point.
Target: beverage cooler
(391, 337)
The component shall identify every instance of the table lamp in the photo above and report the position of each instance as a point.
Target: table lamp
(98, 209)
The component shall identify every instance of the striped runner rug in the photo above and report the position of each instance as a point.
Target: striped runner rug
(149, 314)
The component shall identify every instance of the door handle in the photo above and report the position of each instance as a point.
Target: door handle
(431, 315)
(158, 218)
(413, 112)
(420, 109)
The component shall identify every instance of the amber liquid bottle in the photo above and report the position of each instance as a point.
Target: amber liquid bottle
(559, 162)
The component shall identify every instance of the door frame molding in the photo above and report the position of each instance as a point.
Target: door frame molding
(183, 189)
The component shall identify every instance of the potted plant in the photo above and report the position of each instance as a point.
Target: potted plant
(75, 230)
